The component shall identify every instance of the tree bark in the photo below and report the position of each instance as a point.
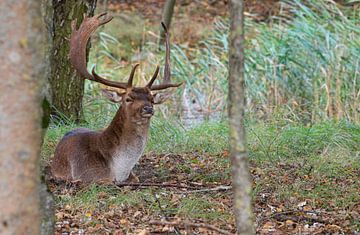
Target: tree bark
(21, 47)
(168, 12)
(47, 206)
(238, 149)
(66, 86)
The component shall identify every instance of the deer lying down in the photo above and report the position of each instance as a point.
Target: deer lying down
(111, 154)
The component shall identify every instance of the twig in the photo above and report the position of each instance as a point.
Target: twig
(189, 224)
(196, 189)
(205, 190)
(123, 184)
(287, 215)
(298, 218)
(163, 212)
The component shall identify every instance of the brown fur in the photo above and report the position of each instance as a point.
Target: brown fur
(87, 155)
(110, 154)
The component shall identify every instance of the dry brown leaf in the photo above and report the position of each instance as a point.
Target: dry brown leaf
(144, 232)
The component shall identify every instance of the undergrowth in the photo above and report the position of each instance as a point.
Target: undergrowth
(303, 64)
(318, 164)
(269, 141)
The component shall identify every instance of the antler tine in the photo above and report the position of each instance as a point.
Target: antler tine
(153, 77)
(99, 79)
(167, 72)
(165, 86)
(131, 77)
(78, 42)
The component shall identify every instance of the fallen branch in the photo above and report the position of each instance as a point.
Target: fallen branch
(160, 185)
(195, 189)
(291, 215)
(189, 224)
(215, 189)
(298, 218)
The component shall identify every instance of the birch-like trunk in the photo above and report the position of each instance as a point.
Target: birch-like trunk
(238, 148)
(167, 14)
(21, 56)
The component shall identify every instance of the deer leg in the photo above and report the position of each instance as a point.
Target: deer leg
(105, 181)
(133, 178)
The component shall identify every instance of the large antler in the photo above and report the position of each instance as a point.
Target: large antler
(78, 42)
(167, 72)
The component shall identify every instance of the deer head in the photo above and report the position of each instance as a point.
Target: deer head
(137, 101)
(112, 153)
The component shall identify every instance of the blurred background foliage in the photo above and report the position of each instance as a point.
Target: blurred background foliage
(302, 62)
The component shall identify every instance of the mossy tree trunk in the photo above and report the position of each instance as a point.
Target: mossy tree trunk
(22, 57)
(238, 148)
(67, 87)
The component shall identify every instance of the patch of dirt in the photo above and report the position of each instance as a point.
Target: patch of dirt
(151, 9)
(192, 20)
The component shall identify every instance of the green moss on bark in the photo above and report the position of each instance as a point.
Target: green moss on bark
(67, 87)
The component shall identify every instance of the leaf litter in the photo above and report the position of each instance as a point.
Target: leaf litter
(202, 204)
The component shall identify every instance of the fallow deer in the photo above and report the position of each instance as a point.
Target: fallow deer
(110, 154)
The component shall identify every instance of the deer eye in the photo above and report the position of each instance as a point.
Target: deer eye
(128, 100)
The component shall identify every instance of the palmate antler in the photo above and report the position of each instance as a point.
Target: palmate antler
(78, 42)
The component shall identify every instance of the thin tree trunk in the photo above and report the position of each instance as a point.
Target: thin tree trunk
(66, 86)
(168, 12)
(238, 149)
(21, 56)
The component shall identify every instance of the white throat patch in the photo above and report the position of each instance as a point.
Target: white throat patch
(126, 157)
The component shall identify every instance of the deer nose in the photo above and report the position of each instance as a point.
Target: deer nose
(148, 110)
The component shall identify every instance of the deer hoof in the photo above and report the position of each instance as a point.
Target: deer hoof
(105, 182)
(133, 178)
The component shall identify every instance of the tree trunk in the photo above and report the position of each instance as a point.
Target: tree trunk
(166, 18)
(238, 149)
(66, 86)
(47, 207)
(21, 47)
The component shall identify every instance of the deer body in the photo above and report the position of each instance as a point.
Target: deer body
(110, 154)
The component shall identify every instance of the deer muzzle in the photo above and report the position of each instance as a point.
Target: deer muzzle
(147, 111)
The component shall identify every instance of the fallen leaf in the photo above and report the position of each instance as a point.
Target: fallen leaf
(88, 214)
(144, 232)
(301, 204)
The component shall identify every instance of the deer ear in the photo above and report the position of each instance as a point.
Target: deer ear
(160, 98)
(112, 95)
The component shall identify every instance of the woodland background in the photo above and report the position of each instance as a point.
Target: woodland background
(302, 117)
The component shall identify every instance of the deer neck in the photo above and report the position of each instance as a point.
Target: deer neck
(123, 143)
(123, 132)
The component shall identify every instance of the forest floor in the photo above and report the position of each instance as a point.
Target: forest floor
(306, 180)
(290, 198)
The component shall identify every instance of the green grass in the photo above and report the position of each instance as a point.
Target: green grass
(267, 141)
(329, 149)
(88, 197)
(149, 200)
(170, 136)
(294, 163)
